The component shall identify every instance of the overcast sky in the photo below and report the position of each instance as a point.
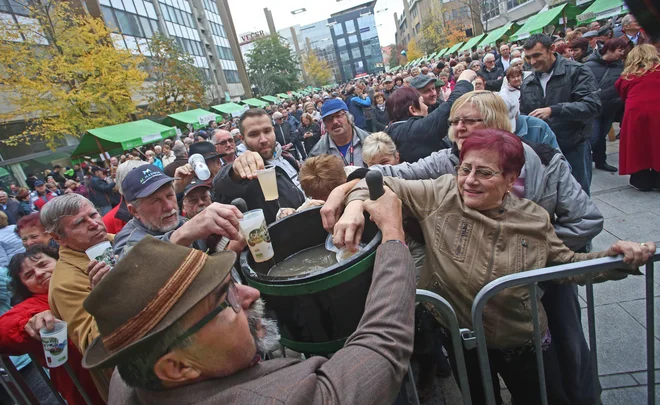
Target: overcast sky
(249, 16)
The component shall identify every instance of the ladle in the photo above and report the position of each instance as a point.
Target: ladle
(374, 181)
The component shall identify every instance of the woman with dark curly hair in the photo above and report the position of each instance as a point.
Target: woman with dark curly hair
(30, 274)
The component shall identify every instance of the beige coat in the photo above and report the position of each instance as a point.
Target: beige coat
(466, 249)
(69, 286)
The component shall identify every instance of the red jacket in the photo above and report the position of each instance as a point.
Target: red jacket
(15, 341)
(39, 202)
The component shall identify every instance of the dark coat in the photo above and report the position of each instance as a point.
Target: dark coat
(290, 196)
(284, 136)
(606, 75)
(14, 211)
(171, 168)
(309, 143)
(101, 192)
(381, 119)
(418, 137)
(493, 78)
(572, 97)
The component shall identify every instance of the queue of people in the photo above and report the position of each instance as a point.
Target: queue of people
(487, 164)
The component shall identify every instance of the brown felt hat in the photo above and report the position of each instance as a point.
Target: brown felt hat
(148, 290)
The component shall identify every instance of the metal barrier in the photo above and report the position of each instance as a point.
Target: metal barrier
(531, 279)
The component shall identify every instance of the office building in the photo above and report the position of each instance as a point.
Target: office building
(410, 23)
(203, 28)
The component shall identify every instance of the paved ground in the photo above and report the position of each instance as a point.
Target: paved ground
(620, 306)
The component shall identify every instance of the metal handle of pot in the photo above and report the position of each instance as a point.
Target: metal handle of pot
(375, 184)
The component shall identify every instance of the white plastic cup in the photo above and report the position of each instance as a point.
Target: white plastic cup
(198, 164)
(345, 253)
(254, 229)
(268, 182)
(55, 344)
(101, 252)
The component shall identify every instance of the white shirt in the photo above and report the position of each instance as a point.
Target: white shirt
(544, 79)
(505, 63)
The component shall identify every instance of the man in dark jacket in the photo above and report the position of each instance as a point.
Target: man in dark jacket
(11, 208)
(239, 179)
(504, 60)
(417, 137)
(492, 74)
(356, 106)
(57, 175)
(286, 137)
(562, 93)
(100, 191)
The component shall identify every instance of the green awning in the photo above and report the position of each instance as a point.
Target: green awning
(284, 95)
(493, 36)
(474, 41)
(124, 136)
(602, 9)
(254, 102)
(228, 108)
(454, 48)
(443, 51)
(536, 24)
(198, 118)
(271, 99)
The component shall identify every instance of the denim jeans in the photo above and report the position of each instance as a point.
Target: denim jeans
(579, 157)
(600, 127)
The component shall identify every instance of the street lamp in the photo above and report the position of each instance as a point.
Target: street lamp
(298, 11)
(380, 11)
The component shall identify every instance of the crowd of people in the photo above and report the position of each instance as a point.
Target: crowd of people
(487, 158)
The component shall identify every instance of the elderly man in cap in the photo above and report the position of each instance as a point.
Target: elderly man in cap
(425, 85)
(389, 87)
(196, 197)
(193, 334)
(74, 223)
(239, 179)
(40, 196)
(343, 138)
(152, 201)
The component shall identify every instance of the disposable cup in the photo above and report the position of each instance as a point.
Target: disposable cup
(55, 344)
(346, 253)
(101, 252)
(254, 229)
(268, 182)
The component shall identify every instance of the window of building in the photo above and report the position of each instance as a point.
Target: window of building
(232, 76)
(350, 27)
(490, 9)
(515, 3)
(128, 23)
(210, 6)
(339, 30)
(355, 52)
(414, 12)
(17, 7)
(353, 39)
(224, 53)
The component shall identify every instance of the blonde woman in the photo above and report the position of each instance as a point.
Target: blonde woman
(639, 150)
(379, 149)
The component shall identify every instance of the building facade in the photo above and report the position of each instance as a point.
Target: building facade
(410, 23)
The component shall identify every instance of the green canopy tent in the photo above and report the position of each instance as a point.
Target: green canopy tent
(254, 102)
(602, 9)
(197, 118)
(121, 137)
(536, 24)
(272, 99)
(474, 41)
(454, 48)
(494, 36)
(228, 108)
(284, 96)
(442, 52)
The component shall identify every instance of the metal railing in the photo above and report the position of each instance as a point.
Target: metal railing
(531, 279)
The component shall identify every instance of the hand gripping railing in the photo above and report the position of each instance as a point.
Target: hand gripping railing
(531, 279)
(444, 308)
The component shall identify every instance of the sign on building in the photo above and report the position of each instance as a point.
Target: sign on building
(251, 37)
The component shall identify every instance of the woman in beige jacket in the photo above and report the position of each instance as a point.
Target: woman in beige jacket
(475, 232)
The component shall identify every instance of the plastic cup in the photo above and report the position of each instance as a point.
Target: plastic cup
(268, 182)
(346, 253)
(55, 344)
(101, 252)
(254, 229)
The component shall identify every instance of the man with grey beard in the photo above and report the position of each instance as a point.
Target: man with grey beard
(151, 200)
(193, 334)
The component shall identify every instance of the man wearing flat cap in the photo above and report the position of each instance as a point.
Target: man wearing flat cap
(192, 334)
(425, 85)
(151, 200)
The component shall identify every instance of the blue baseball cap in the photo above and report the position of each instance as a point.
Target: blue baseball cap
(332, 106)
(143, 181)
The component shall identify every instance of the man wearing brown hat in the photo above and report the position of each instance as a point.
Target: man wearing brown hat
(191, 333)
(151, 199)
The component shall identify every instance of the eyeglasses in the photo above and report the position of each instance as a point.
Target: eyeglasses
(465, 121)
(232, 299)
(225, 142)
(481, 173)
(335, 116)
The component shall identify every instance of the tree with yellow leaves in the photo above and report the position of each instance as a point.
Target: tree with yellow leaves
(317, 70)
(438, 33)
(413, 51)
(62, 74)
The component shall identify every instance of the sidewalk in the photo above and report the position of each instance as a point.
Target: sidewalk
(619, 306)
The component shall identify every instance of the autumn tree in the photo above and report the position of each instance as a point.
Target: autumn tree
(414, 51)
(272, 67)
(318, 70)
(178, 85)
(438, 33)
(62, 74)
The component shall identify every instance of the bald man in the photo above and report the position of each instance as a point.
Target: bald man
(224, 145)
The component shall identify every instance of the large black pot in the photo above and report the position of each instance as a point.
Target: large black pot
(315, 313)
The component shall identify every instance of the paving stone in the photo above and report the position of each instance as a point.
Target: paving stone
(637, 309)
(642, 378)
(626, 396)
(607, 210)
(621, 341)
(617, 381)
(640, 227)
(603, 240)
(629, 200)
(629, 289)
